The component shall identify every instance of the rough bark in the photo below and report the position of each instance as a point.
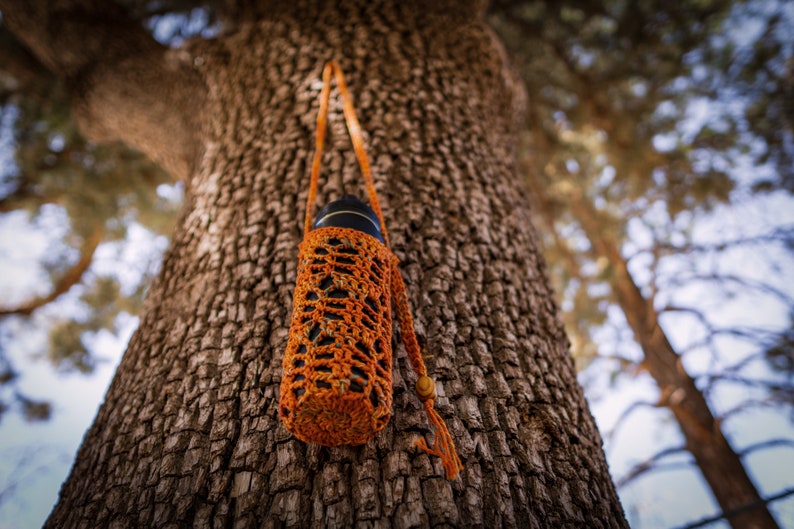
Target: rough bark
(124, 85)
(189, 433)
(719, 464)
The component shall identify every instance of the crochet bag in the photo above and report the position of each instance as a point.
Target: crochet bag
(336, 386)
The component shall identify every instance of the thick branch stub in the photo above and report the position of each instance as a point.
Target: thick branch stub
(150, 101)
(124, 85)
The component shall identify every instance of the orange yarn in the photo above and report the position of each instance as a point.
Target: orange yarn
(337, 388)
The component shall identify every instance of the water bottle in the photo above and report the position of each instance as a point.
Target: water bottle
(349, 212)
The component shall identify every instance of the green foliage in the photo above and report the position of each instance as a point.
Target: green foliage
(100, 190)
(34, 410)
(98, 309)
(761, 74)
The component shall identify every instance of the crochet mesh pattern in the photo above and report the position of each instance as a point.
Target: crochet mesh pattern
(336, 386)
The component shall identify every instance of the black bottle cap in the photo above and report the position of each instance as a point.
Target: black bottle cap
(349, 212)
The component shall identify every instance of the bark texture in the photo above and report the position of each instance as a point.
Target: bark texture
(189, 434)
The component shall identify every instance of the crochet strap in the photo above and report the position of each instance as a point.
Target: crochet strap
(425, 387)
(353, 127)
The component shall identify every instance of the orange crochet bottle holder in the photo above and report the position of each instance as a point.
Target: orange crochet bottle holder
(336, 386)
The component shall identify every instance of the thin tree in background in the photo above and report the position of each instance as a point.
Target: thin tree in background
(603, 95)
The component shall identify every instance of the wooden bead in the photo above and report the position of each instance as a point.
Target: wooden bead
(426, 388)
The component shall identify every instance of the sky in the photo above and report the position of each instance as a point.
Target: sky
(37, 456)
(48, 448)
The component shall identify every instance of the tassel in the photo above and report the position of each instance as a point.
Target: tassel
(445, 446)
(425, 386)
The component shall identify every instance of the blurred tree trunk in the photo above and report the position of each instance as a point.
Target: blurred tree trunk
(189, 433)
(720, 466)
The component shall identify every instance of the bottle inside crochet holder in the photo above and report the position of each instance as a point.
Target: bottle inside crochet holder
(336, 388)
(349, 212)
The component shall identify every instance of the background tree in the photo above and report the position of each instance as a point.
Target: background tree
(622, 171)
(189, 422)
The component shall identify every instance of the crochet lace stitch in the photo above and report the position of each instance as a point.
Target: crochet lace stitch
(336, 387)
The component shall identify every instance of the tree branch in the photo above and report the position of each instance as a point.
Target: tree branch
(687, 278)
(651, 464)
(626, 413)
(780, 234)
(726, 514)
(67, 281)
(770, 402)
(774, 385)
(124, 85)
(769, 443)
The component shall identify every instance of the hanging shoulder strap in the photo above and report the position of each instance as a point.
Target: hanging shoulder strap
(444, 446)
(353, 127)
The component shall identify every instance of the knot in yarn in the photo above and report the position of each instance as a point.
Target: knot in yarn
(425, 388)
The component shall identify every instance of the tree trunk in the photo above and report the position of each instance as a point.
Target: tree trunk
(721, 467)
(189, 434)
